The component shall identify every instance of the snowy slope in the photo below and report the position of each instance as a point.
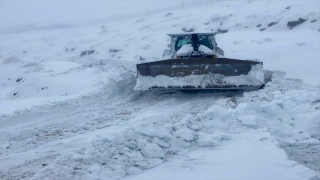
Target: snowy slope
(68, 109)
(19, 16)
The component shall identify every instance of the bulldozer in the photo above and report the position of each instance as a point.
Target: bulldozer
(195, 62)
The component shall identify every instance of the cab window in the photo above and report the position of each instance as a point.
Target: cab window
(204, 40)
(181, 41)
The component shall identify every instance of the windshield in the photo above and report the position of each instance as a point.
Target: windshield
(202, 40)
(181, 41)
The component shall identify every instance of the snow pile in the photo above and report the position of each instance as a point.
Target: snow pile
(206, 50)
(224, 163)
(185, 50)
(255, 77)
(293, 111)
(129, 152)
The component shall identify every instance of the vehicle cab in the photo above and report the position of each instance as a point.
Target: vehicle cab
(193, 45)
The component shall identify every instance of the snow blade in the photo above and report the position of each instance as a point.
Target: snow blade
(200, 73)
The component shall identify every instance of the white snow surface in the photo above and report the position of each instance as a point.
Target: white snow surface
(64, 115)
(19, 16)
(225, 162)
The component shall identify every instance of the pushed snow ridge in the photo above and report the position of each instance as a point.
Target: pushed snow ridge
(68, 109)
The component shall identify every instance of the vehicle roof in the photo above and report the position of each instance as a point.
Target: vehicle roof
(190, 33)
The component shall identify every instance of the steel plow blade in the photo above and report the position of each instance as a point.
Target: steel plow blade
(188, 74)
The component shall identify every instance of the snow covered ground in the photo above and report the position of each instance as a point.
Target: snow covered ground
(68, 109)
(240, 159)
(19, 16)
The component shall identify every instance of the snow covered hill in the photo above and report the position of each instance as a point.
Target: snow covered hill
(68, 109)
(19, 16)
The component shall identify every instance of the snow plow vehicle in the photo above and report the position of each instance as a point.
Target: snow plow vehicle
(195, 62)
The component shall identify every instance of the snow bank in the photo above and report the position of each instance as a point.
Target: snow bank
(133, 152)
(225, 163)
(26, 85)
(289, 112)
